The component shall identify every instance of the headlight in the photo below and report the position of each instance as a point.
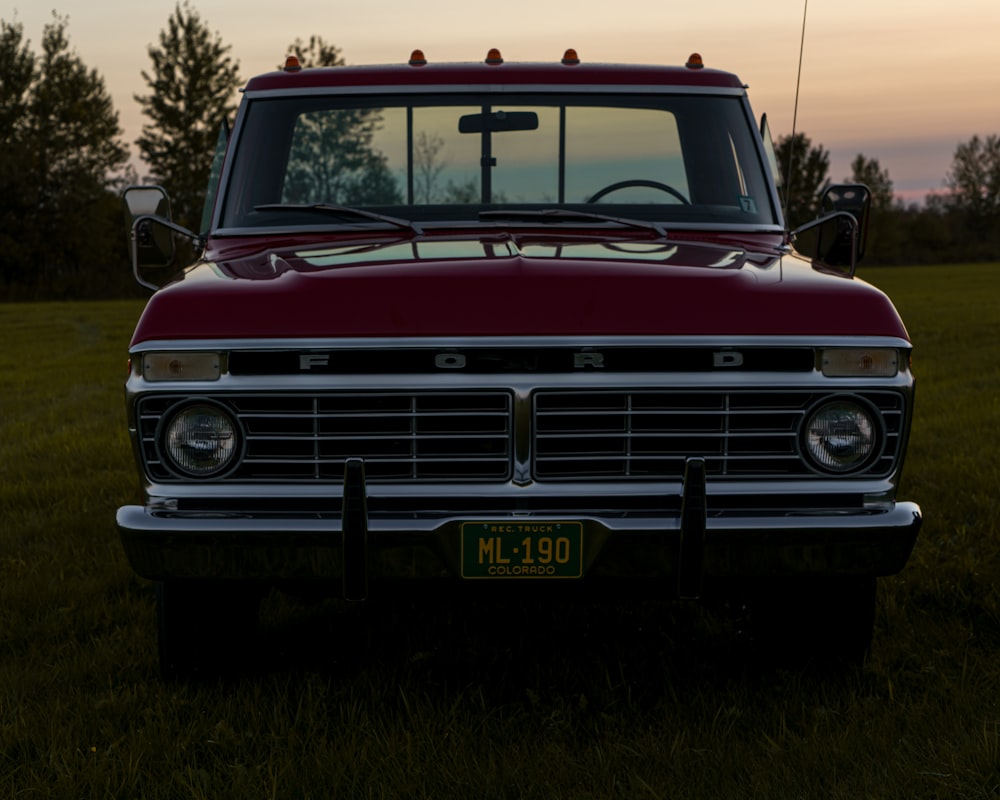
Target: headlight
(200, 440)
(841, 436)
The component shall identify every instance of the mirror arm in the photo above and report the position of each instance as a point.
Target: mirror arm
(853, 224)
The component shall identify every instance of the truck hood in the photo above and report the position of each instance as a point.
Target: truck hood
(462, 286)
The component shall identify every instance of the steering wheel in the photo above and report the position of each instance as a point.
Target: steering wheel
(614, 187)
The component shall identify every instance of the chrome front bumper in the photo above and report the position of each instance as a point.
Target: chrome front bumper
(680, 549)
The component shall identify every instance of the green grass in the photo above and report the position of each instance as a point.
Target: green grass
(437, 702)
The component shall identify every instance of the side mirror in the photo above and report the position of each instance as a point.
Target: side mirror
(856, 200)
(835, 241)
(151, 234)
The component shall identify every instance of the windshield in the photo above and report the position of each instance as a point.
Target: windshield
(684, 159)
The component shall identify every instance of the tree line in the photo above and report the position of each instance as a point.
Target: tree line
(959, 224)
(63, 163)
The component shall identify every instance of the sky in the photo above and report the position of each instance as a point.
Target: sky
(901, 82)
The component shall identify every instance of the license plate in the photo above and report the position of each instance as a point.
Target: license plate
(522, 549)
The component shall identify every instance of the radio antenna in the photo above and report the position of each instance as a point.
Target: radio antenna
(795, 110)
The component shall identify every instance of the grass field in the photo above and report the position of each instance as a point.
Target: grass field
(428, 702)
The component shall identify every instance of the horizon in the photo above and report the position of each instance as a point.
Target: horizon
(904, 89)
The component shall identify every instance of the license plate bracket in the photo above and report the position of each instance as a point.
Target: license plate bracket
(525, 550)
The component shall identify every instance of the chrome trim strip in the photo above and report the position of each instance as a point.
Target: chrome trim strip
(576, 342)
(484, 229)
(498, 88)
(521, 384)
(136, 519)
(816, 486)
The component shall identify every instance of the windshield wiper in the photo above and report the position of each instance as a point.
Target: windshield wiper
(567, 215)
(342, 211)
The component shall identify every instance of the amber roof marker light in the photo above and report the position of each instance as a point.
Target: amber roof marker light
(417, 59)
(493, 57)
(292, 64)
(570, 58)
(694, 61)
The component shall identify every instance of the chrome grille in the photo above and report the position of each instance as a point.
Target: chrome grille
(468, 436)
(649, 434)
(401, 437)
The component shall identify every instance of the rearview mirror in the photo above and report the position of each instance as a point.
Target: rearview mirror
(498, 121)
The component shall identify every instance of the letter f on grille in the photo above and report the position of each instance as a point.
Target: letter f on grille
(310, 360)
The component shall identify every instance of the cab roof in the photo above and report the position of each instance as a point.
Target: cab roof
(419, 71)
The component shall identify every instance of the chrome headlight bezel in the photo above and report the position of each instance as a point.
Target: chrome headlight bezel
(220, 432)
(842, 435)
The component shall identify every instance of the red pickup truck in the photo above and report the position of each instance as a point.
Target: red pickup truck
(510, 328)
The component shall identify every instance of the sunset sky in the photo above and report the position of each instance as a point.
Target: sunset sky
(900, 82)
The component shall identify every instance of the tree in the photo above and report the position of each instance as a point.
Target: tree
(62, 150)
(974, 178)
(427, 167)
(332, 157)
(73, 123)
(77, 141)
(883, 239)
(805, 171)
(193, 87)
(17, 67)
(869, 172)
(972, 203)
(317, 53)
